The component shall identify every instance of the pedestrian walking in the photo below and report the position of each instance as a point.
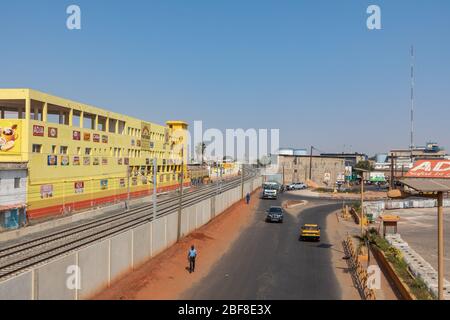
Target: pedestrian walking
(192, 254)
(247, 198)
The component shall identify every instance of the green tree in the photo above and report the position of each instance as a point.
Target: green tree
(366, 165)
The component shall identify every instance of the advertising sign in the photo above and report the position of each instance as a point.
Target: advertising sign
(96, 162)
(52, 160)
(134, 181)
(340, 177)
(38, 131)
(145, 135)
(9, 137)
(53, 132)
(119, 161)
(96, 137)
(87, 136)
(104, 139)
(76, 135)
(377, 177)
(86, 161)
(430, 169)
(126, 161)
(76, 161)
(122, 183)
(104, 184)
(46, 191)
(79, 187)
(65, 160)
(104, 161)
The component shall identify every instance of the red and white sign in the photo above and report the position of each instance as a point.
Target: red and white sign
(38, 131)
(438, 169)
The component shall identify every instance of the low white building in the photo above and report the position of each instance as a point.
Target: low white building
(13, 186)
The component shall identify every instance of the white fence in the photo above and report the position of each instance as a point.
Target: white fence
(101, 263)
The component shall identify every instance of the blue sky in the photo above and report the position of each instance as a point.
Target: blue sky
(310, 68)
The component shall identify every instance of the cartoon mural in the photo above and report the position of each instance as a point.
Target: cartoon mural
(9, 137)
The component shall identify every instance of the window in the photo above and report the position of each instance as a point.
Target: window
(76, 118)
(78, 150)
(37, 148)
(63, 150)
(16, 183)
(87, 151)
(53, 149)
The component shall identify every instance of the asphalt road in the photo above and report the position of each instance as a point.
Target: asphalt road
(268, 261)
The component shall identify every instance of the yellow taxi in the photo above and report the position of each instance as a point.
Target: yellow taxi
(310, 232)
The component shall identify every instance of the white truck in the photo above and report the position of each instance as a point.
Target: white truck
(270, 190)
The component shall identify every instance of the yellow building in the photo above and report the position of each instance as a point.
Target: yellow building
(78, 156)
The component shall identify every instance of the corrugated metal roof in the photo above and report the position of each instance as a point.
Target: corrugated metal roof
(428, 185)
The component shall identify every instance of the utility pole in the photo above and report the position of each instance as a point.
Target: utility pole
(310, 163)
(412, 98)
(283, 175)
(242, 181)
(127, 202)
(155, 173)
(180, 203)
(440, 245)
(392, 172)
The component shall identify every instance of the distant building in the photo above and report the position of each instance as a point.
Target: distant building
(351, 159)
(326, 171)
(405, 158)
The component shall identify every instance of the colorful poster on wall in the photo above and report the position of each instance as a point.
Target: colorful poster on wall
(86, 161)
(134, 181)
(145, 135)
(138, 143)
(46, 191)
(126, 161)
(119, 161)
(65, 160)
(87, 136)
(38, 131)
(79, 187)
(104, 139)
(104, 184)
(96, 137)
(122, 183)
(10, 132)
(52, 160)
(76, 161)
(76, 135)
(52, 132)
(96, 162)
(104, 161)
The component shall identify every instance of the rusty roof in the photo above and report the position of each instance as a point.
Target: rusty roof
(427, 185)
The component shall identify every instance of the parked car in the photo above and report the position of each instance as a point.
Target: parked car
(275, 214)
(297, 186)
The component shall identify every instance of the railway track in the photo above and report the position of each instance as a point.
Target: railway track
(21, 257)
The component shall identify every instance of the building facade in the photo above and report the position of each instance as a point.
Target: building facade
(325, 171)
(74, 156)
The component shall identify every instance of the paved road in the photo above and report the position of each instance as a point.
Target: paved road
(268, 262)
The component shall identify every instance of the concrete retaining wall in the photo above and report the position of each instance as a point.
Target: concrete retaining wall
(87, 271)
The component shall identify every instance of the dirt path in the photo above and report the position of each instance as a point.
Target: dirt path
(166, 276)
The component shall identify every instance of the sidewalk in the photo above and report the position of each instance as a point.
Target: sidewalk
(386, 292)
(165, 277)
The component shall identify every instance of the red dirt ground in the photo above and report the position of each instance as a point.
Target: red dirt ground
(165, 276)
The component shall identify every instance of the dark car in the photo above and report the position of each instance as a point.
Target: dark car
(275, 214)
